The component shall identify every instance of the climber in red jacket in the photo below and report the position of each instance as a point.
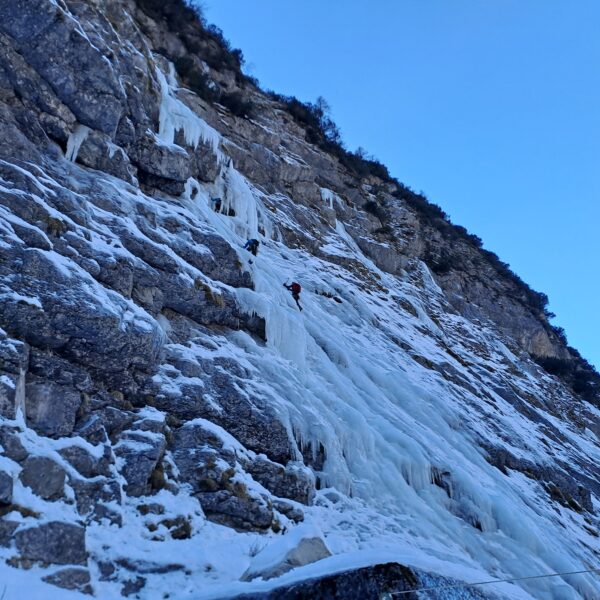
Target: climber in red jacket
(295, 288)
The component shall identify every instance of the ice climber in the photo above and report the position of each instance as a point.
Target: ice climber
(252, 246)
(216, 204)
(295, 288)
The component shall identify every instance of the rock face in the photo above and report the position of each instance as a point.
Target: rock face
(160, 389)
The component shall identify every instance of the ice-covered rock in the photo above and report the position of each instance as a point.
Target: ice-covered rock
(397, 420)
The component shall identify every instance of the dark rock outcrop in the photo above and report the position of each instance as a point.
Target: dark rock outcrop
(71, 579)
(53, 543)
(368, 583)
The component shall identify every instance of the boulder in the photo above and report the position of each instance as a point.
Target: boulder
(242, 511)
(367, 583)
(71, 579)
(153, 156)
(138, 454)
(53, 543)
(290, 510)
(6, 488)
(11, 444)
(45, 478)
(99, 152)
(51, 409)
(205, 163)
(294, 481)
(292, 550)
(7, 530)
(96, 499)
(84, 462)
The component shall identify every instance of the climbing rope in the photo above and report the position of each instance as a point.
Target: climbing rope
(391, 595)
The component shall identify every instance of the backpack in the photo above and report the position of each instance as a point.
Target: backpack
(296, 288)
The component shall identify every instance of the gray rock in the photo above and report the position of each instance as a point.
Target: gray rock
(288, 509)
(84, 462)
(44, 477)
(47, 365)
(71, 579)
(8, 394)
(7, 530)
(308, 550)
(368, 583)
(53, 543)
(205, 163)
(6, 488)
(248, 418)
(202, 461)
(13, 142)
(100, 334)
(562, 487)
(55, 118)
(11, 444)
(51, 409)
(142, 566)
(115, 420)
(93, 430)
(150, 183)
(92, 497)
(74, 67)
(168, 161)
(139, 454)
(99, 152)
(212, 255)
(238, 511)
(295, 481)
(210, 468)
(133, 586)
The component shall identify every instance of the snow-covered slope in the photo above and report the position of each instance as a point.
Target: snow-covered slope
(188, 409)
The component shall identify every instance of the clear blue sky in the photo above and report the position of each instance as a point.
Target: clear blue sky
(491, 107)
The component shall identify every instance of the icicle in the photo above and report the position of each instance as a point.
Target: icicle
(174, 116)
(327, 196)
(240, 198)
(75, 140)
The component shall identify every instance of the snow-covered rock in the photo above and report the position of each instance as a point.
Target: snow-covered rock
(169, 419)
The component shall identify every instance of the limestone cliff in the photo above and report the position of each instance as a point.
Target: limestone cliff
(172, 425)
